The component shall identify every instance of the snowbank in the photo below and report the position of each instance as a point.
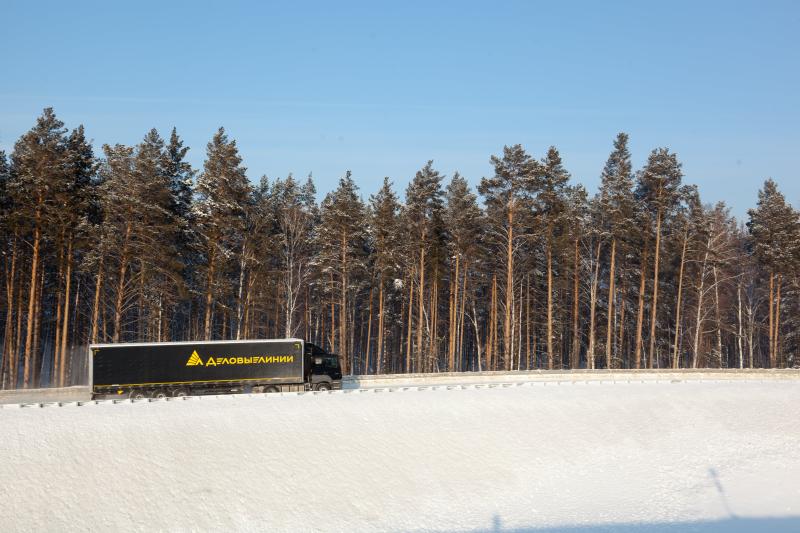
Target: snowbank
(640, 456)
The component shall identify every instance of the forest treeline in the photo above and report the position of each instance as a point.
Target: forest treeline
(526, 272)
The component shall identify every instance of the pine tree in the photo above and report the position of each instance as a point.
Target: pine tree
(222, 195)
(38, 171)
(384, 227)
(421, 217)
(341, 240)
(294, 215)
(577, 219)
(658, 188)
(464, 222)
(180, 176)
(617, 210)
(507, 200)
(9, 252)
(775, 232)
(551, 188)
(76, 201)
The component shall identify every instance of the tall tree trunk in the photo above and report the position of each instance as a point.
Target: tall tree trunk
(207, 326)
(38, 356)
(576, 346)
(379, 355)
(621, 345)
(507, 354)
(771, 318)
(698, 323)
(717, 315)
(491, 362)
(640, 310)
(17, 338)
(369, 332)
(240, 298)
(461, 319)
(96, 304)
(675, 357)
(451, 351)
(9, 354)
(750, 329)
(611, 296)
(410, 324)
(433, 344)
(739, 331)
(26, 376)
(59, 310)
(420, 308)
(123, 266)
(477, 334)
(63, 359)
(333, 316)
(590, 355)
(549, 304)
(27, 366)
(654, 310)
(776, 336)
(519, 331)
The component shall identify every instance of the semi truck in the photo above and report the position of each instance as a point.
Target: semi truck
(172, 369)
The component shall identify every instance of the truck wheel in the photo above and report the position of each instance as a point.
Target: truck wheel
(323, 386)
(160, 394)
(179, 393)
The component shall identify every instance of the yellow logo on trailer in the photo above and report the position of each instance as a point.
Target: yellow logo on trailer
(194, 360)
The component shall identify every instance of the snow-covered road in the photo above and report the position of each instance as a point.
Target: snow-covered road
(563, 456)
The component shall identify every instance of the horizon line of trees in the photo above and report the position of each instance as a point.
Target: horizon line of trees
(527, 272)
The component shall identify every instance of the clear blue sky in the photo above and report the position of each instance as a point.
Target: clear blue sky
(379, 89)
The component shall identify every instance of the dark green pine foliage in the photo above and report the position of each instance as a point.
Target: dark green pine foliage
(551, 209)
(508, 204)
(5, 176)
(577, 217)
(385, 238)
(617, 210)
(773, 227)
(341, 241)
(422, 217)
(616, 191)
(180, 176)
(161, 269)
(223, 194)
(38, 175)
(775, 239)
(658, 190)
(76, 216)
(464, 224)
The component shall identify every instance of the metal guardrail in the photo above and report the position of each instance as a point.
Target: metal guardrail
(80, 395)
(358, 381)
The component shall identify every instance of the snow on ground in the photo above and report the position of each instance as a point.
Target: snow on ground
(555, 456)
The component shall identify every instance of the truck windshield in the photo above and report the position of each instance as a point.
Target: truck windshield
(332, 362)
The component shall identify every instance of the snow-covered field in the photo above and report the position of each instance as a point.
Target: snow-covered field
(553, 456)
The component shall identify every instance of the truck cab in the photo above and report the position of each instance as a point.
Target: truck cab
(323, 370)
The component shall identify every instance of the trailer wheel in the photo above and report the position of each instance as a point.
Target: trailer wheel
(137, 394)
(179, 393)
(160, 394)
(323, 386)
(271, 388)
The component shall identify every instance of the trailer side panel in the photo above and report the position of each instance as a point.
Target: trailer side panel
(163, 364)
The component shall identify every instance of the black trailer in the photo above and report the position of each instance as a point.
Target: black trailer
(163, 369)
